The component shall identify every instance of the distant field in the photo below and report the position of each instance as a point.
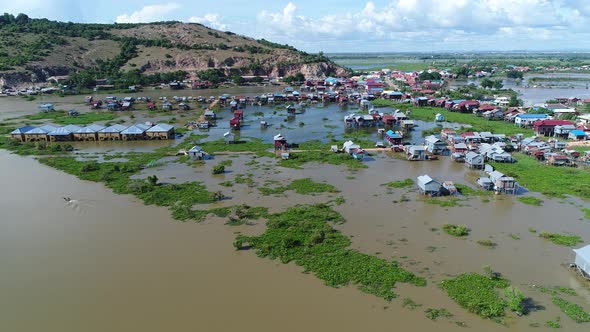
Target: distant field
(420, 61)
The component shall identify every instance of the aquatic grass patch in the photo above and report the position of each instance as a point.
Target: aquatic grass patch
(515, 299)
(478, 293)
(555, 324)
(303, 235)
(443, 202)
(410, 304)
(476, 123)
(586, 213)
(252, 145)
(468, 191)
(572, 310)
(530, 200)
(63, 118)
(298, 159)
(487, 243)
(562, 239)
(400, 183)
(548, 180)
(434, 314)
(456, 230)
(34, 148)
(304, 186)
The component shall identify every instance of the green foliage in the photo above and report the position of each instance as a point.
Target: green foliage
(303, 234)
(63, 118)
(302, 186)
(514, 74)
(554, 323)
(433, 314)
(468, 191)
(218, 169)
(487, 243)
(561, 239)
(298, 159)
(477, 293)
(410, 304)
(400, 183)
(339, 200)
(530, 200)
(252, 145)
(294, 78)
(572, 310)
(550, 181)
(152, 180)
(515, 299)
(443, 202)
(477, 123)
(456, 230)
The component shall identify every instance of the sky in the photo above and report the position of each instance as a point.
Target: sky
(354, 25)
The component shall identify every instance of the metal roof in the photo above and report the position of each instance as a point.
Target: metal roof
(37, 131)
(531, 116)
(72, 128)
(426, 179)
(116, 128)
(91, 129)
(22, 130)
(136, 129)
(161, 127)
(48, 127)
(62, 131)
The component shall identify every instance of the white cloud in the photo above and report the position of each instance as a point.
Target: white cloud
(214, 21)
(151, 13)
(438, 24)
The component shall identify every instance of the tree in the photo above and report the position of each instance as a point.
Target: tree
(237, 79)
(498, 84)
(462, 71)
(152, 180)
(258, 79)
(514, 74)
(514, 101)
(486, 83)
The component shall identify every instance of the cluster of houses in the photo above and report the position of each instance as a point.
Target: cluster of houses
(494, 181)
(93, 132)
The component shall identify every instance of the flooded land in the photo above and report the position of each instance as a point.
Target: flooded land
(106, 261)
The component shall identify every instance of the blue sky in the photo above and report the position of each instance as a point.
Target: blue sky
(355, 26)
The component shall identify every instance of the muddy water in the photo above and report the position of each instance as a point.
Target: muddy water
(111, 263)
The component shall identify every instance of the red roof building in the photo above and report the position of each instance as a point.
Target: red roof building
(547, 127)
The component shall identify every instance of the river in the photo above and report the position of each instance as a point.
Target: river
(108, 262)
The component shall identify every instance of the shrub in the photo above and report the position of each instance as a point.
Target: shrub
(456, 230)
(218, 169)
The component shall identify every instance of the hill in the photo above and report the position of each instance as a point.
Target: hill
(31, 50)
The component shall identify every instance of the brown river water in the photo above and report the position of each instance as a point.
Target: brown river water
(110, 263)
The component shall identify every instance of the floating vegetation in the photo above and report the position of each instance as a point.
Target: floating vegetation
(433, 314)
(554, 323)
(302, 186)
(400, 183)
(478, 293)
(572, 310)
(297, 159)
(515, 299)
(561, 239)
(468, 191)
(586, 213)
(339, 200)
(530, 200)
(456, 230)
(487, 243)
(303, 234)
(514, 236)
(443, 202)
(410, 304)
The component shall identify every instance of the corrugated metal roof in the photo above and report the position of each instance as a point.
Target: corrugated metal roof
(532, 116)
(22, 130)
(37, 131)
(134, 130)
(60, 132)
(72, 128)
(160, 127)
(116, 128)
(91, 129)
(48, 127)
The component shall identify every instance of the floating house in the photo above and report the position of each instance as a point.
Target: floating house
(434, 145)
(280, 142)
(503, 183)
(394, 137)
(407, 125)
(235, 123)
(460, 148)
(63, 133)
(577, 135)
(229, 137)
(416, 152)
(439, 117)
(134, 132)
(36, 135)
(88, 133)
(428, 185)
(210, 115)
(474, 160)
(160, 131)
(46, 107)
(111, 133)
(582, 260)
(485, 183)
(196, 152)
(349, 146)
(19, 133)
(239, 114)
